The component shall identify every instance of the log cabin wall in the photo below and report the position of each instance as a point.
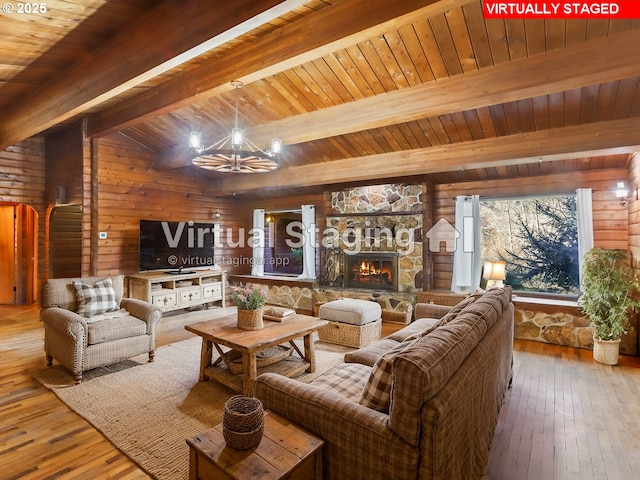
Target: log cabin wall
(22, 184)
(129, 190)
(634, 209)
(609, 217)
(66, 175)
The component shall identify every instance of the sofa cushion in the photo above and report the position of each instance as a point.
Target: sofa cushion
(115, 329)
(351, 311)
(95, 299)
(370, 354)
(377, 392)
(345, 379)
(418, 326)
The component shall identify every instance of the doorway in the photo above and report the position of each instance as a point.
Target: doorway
(18, 254)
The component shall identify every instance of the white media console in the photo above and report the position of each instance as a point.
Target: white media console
(177, 291)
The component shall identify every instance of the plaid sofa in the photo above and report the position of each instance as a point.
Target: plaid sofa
(448, 385)
(83, 342)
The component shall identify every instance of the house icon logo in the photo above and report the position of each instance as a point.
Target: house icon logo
(441, 232)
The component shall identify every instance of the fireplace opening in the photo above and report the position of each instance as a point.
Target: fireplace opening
(377, 270)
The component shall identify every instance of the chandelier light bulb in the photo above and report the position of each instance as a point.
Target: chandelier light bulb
(236, 138)
(276, 146)
(195, 140)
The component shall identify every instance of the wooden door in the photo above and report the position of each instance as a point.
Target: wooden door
(65, 241)
(7, 254)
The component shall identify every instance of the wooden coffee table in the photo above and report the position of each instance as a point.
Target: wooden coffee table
(223, 332)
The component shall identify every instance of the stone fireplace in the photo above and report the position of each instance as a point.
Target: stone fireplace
(377, 270)
(378, 244)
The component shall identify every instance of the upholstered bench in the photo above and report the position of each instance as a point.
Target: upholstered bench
(352, 322)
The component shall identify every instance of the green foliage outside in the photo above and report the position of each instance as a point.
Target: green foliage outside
(538, 238)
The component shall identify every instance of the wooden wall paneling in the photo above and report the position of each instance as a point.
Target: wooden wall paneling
(90, 191)
(29, 266)
(634, 208)
(130, 190)
(428, 221)
(64, 169)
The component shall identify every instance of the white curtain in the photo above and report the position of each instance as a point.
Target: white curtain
(257, 236)
(309, 240)
(585, 224)
(467, 261)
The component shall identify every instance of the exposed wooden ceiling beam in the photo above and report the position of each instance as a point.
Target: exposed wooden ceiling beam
(603, 138)
(599, 61)
(591, 63)
(189, 28)
(344, 24)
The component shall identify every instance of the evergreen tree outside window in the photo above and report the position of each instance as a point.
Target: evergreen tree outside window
(537, 238)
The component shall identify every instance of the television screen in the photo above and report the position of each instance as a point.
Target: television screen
(176, 245)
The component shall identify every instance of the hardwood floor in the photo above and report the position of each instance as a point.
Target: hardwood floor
(566, 417)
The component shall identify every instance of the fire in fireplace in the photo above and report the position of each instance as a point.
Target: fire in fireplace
(377, 270)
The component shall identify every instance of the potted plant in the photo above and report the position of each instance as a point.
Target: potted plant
(250, 302)
(608, 294)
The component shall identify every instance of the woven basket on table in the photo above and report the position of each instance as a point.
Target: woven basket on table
(264, 358)
(250, 319)
(242, 422)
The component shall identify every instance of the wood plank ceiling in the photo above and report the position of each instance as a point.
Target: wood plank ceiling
(358, 90)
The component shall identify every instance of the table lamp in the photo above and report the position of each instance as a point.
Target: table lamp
(494, 273)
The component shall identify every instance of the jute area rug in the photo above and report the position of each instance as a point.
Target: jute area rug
(148, 410)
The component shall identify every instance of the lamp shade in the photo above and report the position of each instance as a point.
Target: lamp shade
(498, 271)
(494, 273)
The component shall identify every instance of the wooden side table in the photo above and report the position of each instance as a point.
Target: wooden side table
(285, 451)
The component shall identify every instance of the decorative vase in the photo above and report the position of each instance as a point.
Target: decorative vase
(242, 422)
(250, 319)
(606, 351)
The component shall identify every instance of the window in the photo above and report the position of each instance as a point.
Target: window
(538, 238)
(282, 230)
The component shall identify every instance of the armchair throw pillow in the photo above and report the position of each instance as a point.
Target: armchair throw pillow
(95, 299)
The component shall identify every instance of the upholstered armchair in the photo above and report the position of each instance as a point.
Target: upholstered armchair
(88, 323)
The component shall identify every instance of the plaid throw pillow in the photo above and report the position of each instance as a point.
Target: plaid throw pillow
(95, 299)
(377, 392)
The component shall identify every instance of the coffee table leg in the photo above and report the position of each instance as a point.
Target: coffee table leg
(250, 372)
(205, 357)
(310, 352)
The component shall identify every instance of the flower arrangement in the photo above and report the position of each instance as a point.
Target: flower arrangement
(248, 298)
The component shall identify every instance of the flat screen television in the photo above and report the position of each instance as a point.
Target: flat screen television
(176, 245)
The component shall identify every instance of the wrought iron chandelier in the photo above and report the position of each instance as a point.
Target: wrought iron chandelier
(235, 153)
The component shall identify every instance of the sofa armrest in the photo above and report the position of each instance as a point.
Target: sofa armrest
(64, 321)
(142, 310)
(431, 310)
(356, 438)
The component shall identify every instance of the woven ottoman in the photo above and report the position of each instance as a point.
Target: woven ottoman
(352, 322)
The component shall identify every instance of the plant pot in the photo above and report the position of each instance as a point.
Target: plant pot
(606, 351)
(250, 319)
